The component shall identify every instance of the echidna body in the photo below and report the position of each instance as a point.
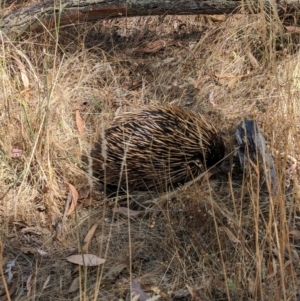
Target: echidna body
(156, 148)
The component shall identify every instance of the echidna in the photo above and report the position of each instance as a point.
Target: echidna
(156, 148)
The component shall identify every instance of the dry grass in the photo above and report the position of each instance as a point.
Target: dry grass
(221, 240)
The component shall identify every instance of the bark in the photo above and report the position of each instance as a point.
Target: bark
(52, 14)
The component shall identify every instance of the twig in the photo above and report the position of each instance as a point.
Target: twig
(66, 210)
(2, 274)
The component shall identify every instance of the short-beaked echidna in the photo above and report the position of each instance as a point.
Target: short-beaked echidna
(155, 148)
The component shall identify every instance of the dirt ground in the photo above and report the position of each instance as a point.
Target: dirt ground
(220, 239)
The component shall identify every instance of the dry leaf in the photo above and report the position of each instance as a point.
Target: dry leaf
(230, 235)
(28, 285)
(127, 212)
(295, 234)
(294, 29)
(23, 71)
(287, 263)
(271, 275)
(234, 81)
(25, 80)
(211, 99)
(15, 153)
(89, 260)
(79, 122)
(217, 18)
(253, 60)
(74, 199)
(155, 46)
(88, 238)
(27, 250)
(74, 285)
(275, 251)
(295, 258)
(137, 290)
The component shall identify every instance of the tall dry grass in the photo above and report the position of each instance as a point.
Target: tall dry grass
(222, 240)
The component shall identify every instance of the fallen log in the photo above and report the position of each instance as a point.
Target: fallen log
(53, 14)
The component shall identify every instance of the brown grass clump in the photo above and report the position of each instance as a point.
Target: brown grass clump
(221, 240)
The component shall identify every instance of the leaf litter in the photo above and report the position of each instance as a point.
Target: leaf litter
(89, 260)
(184, 247)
